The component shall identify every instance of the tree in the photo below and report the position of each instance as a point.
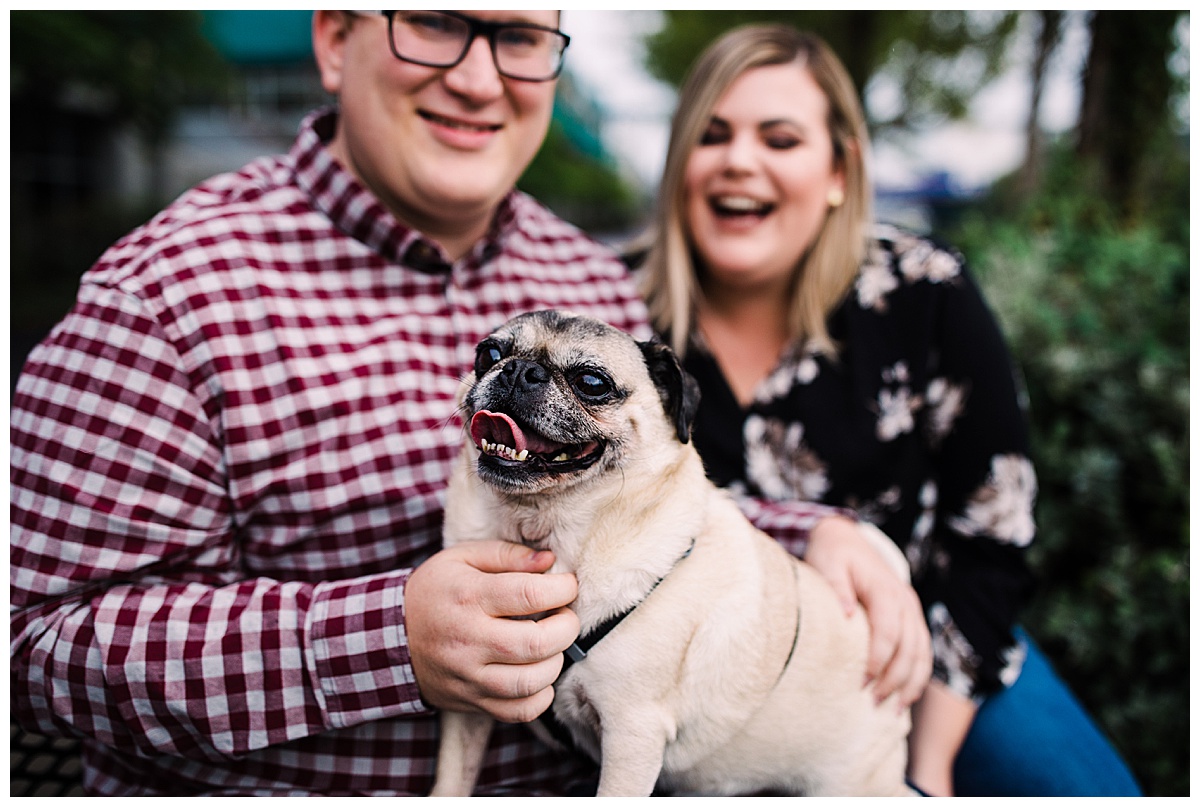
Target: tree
(135, 67)
(1126, 87)
(77, 79)
(934, 60)
(1048, 39)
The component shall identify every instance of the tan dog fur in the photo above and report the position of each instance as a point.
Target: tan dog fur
(689, 691)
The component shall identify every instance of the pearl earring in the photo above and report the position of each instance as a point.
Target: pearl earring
(836, 197)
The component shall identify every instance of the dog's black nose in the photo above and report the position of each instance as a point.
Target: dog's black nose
(525, 374)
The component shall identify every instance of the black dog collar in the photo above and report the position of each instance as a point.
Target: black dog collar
(578, 650)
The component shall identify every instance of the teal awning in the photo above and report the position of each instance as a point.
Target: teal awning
(261, 37)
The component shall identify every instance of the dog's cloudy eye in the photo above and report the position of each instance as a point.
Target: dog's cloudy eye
(486, 356)
(591, 384)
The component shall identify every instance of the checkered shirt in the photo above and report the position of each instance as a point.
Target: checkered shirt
(227, 459)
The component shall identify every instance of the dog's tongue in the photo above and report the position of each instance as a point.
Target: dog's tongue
(497, 427)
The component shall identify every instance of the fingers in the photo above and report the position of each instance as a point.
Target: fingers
(503, 556)
(467, 653)
(901, 655)
(843, 589)
(518, 685)
(830, 551)
(523, 641)
(516, 594)
(921, 644)
(518, 693)
(516, 584)
(524, 710)
(887, 631)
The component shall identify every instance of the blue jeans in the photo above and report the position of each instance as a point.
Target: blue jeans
(1035, 739)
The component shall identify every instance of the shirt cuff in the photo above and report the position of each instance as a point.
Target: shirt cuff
(358, 650)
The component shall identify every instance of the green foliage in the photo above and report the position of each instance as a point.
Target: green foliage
(936, 60)
(140, 65)
(76, 77)
(585, 191)
(1096, 314)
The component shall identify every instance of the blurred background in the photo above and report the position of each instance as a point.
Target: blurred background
(1051, 147)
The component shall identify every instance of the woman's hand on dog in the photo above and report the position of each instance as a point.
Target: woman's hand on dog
(901, 654)
(468, 653)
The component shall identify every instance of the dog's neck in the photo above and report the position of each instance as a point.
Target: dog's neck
(623, 542)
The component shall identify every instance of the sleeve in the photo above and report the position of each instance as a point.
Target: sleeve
(132, 619)
(790, 521)
(977, 579)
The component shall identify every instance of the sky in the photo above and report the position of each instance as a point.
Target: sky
(605, 54)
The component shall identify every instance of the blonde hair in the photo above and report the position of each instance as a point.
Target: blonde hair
(827, 269)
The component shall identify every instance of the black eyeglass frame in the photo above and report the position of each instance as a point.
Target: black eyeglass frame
(477, 28)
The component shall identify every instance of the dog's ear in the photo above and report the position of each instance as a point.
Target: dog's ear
(679, 391)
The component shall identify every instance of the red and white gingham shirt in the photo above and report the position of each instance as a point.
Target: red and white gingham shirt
(228, 458)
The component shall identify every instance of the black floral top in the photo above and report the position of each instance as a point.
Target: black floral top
(916, 426)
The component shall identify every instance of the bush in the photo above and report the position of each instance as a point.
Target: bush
(1096, 316)
(585, 191)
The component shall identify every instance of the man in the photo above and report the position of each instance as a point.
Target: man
(229, 459)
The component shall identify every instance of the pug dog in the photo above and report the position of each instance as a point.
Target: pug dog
(722, 664)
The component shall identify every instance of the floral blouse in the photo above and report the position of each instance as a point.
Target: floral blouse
(916, 426)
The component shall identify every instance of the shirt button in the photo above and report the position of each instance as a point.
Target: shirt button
(424, 257)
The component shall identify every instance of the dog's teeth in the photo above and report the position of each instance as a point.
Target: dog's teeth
(561, 457)
(508, 452)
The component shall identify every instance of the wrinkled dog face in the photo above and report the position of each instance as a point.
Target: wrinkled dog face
(557, 400)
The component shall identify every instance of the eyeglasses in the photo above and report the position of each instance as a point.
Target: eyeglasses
(520, 50)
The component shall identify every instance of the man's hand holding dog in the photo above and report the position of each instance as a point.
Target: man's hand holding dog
(468, 653)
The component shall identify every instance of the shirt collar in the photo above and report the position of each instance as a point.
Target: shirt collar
(354, 210)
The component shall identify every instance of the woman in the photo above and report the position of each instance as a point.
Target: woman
(860, 367)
